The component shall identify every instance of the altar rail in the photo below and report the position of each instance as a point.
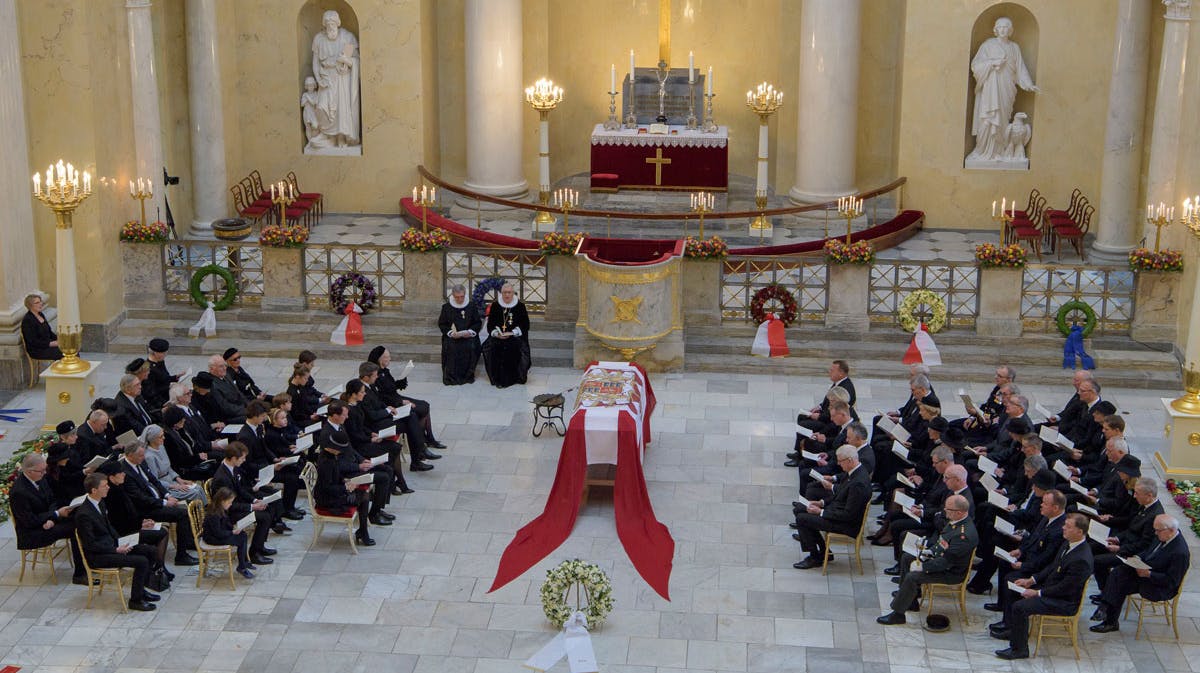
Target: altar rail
(181, 259)
(525, 270)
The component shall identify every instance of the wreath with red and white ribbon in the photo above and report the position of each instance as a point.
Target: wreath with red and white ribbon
(773, 299)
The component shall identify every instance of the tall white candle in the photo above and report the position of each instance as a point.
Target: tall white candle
(612, 86)
(691, 68)
(631, 68)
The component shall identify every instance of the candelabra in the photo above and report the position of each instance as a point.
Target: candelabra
(1161, 217)
(760, 223)
(764, 100)
(692, 122)
(144, 190)
(544, 97)
(612, 123)
(566, 200)
(424, 197)
(1191, 214)
(65, 189)
(283, 194)
(849, 208)
(1189, 402)
(710, 126)
(1005, 218)
(702, 204)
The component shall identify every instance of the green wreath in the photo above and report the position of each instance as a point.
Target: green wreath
(1060, 319)
(198, 295)
(592, 583)
(937, 308)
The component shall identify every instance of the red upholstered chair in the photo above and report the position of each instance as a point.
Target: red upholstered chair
(1028, 230)
(258, 187)
(605, 182)
(250, 192)
(1076, 194)
(1030, 206)
(315, 198)
(1073, 231)
(254, 213)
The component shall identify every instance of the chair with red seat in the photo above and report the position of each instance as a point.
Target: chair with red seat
(316, 198)
(256, 180)
(250, 212)
(1074, 231)
(321, 516)
(1030, 206)
(1076, 194)
(253, 198)
(1028, 229)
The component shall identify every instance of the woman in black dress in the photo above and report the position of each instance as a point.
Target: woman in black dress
(330, 491)
(40, 341)
(506, 352)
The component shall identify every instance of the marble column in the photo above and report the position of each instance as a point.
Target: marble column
(495, 107)
(18, 263)
(828, 100)
(1119, 213)
(204, 110)
(1168, 112)
(147, 124)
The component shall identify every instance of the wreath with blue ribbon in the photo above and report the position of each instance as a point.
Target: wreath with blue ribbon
(482, 288)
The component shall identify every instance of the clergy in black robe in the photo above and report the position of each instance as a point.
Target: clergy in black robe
(506, 352)
(459, 324)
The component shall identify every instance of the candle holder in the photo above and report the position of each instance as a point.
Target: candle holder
(760, 223)
(849, 208)
(1005, 219)
(1191, 214)
(64, 191)
(702, 204)
(566, 200)
(1162, 217)
(143, 191)
(631, 103)
(764, 101)
(612, 123)
(710, 126)
(692, 122)
(283, 195)
(543, 96)
(424, 197)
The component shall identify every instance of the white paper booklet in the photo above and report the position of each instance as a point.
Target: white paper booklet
(244, 522)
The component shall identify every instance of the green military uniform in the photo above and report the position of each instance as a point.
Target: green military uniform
(947, 564)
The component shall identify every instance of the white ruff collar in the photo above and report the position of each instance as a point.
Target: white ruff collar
(462, 305)
(510, 305)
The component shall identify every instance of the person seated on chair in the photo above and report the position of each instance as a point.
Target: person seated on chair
(133, 413)
(388, 389)
(218, 530)
(126, 519)
(100, 543)
(1073, 411)
(152, 501)
(979, 423)
(1056, 590)
(1130, 535)
(331, 492)
(224, 402)
(91, 440)
(822, 443)
(841, 513)
(1035, 550)
(378, 414)
(230, 475)
(41, 343)
(955, 480)
(241, 378)
(64, 468)
(36, 520)
(817, 418)
(157, 386)
(946, 560)
(280, 441)
(158, 464)
(1169, 560)
(187, 454)
(305, 398)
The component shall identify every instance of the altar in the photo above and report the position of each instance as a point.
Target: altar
(681, 159)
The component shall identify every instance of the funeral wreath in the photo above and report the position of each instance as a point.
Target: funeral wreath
(197, 294)
(352, 287)
(482, 288)
(589, 581)
(1067, 309)
(937, 311)
(781, 304)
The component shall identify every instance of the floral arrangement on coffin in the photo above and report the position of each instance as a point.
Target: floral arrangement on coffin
(714, 247)
(289, 236)
(1187, 495)
(9, 471)
(1144, 259)
(992, 256)
(151, 232)
(560, 244)
(858, 252)
(416, 241)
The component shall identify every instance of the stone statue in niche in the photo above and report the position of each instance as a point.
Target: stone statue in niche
(336, 107)
(999, 70)
(308, 108)
(1016, 137)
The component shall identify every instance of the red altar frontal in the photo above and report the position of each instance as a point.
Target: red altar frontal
(681, 159)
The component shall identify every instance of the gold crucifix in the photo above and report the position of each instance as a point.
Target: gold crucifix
(664, 31)
(658, 160)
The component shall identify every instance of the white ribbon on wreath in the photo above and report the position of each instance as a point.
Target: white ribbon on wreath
(573, 642)
(207, 323)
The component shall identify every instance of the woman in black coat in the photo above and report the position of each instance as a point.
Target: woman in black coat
(218, 530)
(331, 493)
(40, 341)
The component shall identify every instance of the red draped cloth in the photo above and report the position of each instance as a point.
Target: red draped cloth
(647, 541)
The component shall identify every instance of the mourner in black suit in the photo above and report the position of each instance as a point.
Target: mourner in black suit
(379, 415)
(1037, 548)
(240, 377)
(218, 530)
(1136, 536)
(388, 389)
(100, 540)
(840, 513)
(157, 386)
(1168, 559)
(330, 491)
(947, 560)
(92, 440)
(37, 519)
(225, 393)
(229, 475)
(1056, 590)
(133, 412)
(152, 501)
(189, 455)
(817, 418)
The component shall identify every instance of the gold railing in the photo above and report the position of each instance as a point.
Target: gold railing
(382, 265)
(181, 259)
(806, 280)
(524, 269)
(1109, 291)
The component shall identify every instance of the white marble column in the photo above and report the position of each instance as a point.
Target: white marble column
(495, 106)
(1168, 111)
(1119, 212)
(147, 124)
(209, 200)
(828, 100)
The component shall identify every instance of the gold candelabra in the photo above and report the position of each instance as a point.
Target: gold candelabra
(702, 204)
(566, 200)
(143, 191)
(1161, 217)
(1189, 402)
(849, 208)
(424, 197)
(1005, 218)
(764, 101)
(283, 194)
(544, 96)
(64, 189)
(760, 223)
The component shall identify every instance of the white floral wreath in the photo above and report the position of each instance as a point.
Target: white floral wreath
(937, 309)
(591, 582)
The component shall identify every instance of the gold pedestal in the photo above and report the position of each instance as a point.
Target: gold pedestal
(544, 221)
(69, 395)
(1189, 403)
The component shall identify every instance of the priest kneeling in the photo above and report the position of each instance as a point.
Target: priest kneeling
(459, 324)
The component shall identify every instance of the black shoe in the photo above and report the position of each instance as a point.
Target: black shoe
(396, 490)
(1100, 615)
(82, 581)
(993, 607)
(245, 572)
(892, 618)
(1010, 653)
(260, 560)
(364, 541)
(896, 580)
(293, 514)
(998, 626)
(1093, 597)
(1104, 627)
(881, 543)
(811, 561)
(914, 606)
(151, 597)
(1001, 634)
(141, 606)
(280, 528)
(435, 444)
(268, 551)
(980, 590)
(893, 571)
(170, 575)
(1095, 601)
(419, 467)
(429, 455)
(187, 561)
(791, 463)
(794, 526)
(378, 521)
(387, 515)
(795, 455)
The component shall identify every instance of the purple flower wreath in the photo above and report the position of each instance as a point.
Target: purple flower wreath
(362, 287)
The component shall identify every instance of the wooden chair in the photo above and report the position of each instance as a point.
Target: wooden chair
(1030, 206)
(322, 516)
(35, 364)
(256, 186)
(854, 542)
(1058, 626)
(1028, 230)
(1074, 232)
(1072, 208)
(208, 553)
(957, 590)
(46, 554)
(250, 212)
(1170, 609)
(317, 198)
(98, 577)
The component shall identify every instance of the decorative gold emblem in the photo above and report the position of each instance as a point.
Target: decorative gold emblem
(1194, 439)
(91, 391)
(64, 398)
(626, 310)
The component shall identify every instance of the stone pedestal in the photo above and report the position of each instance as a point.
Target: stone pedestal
(1182, 457)
(702, 298)
(999, 302)
(562, 288)
(1156, 307)
(142, 265)
(69, 396)
(282, 270)
(424, 283)
(664, 356)
(847, 296)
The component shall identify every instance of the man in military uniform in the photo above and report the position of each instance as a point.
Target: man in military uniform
(947, 560)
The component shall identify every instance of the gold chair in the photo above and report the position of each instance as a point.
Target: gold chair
(309, 476)
(1170, 609)
(98, 577)
(208, 553)
(856, 542)
(956, 590)
(35, 364)
(47, 554)
(1058, 626)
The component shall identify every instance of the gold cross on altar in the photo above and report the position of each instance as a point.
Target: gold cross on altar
(658, 162)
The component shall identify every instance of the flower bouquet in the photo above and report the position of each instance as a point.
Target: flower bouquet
(289, 236)
(992, 256)
(705, 248)
(559, 244)
(839, 252)
(152, 232)
(416, 241)
(1144, 259)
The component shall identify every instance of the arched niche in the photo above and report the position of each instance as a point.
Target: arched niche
(1025, 33)
(308, 24)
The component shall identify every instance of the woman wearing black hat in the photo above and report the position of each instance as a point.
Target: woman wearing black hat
(388, 389)
(158, 381)
(64, 468)
(331, 493)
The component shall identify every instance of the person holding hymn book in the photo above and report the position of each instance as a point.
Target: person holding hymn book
(506, 352)
(379, 415)
(105, 548)
(1156, 574)
(332, 492)
(459, 324)
(158, 464)
(187, 454)
(37, 521)
(305, 398)
(218, 530)
(125, 517)
(158, 381)
(369, 444)
(230, 475)
(388, 389)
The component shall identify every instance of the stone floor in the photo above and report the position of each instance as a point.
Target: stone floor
(417, 601)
